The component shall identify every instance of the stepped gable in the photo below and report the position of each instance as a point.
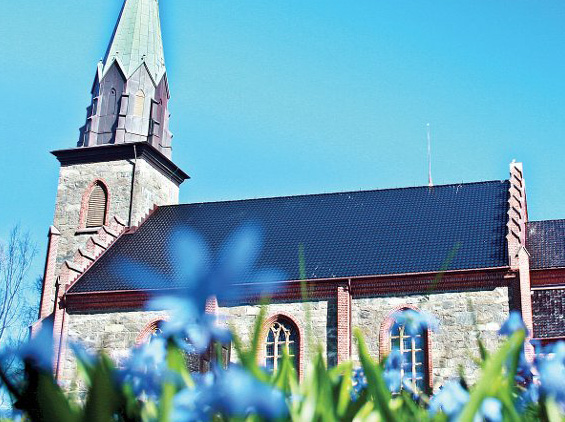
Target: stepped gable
(95, 246)
(348, 234)
(546, 244)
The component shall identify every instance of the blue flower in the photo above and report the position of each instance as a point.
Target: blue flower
(490, 411)
(416, 322)
(233, 392)
(528, 396)
(512, 324)
(38, 351)
(552, 374)
(201, 275)
(524, 374)
(359, 383)
(146, 369)
(450, 400)
(191, 330)
(86, 358)
(392, 374)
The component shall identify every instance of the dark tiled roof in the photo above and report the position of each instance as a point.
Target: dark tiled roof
(546, 244)
(349, 234)
(549, 313)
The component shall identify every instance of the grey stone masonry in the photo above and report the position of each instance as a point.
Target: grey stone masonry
(463, 316)
(151, 188)
(314, 318)
(113, 333)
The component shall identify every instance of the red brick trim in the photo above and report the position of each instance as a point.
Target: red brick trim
(547, 277)
(149, 328)
(60, 333)
(86, 197)
(343, 323)
(301, 339)
(371, 286)
(104, 301)
(211, 306)
(316, 289)
(46, 305)
(384, 340)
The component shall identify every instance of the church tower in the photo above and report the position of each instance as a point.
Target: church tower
(121, 168)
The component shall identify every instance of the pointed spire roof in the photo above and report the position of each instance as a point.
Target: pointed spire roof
(137, 39)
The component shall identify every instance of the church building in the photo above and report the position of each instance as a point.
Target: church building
(465, 253)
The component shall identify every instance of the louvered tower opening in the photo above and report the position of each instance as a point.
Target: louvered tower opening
(97, 203)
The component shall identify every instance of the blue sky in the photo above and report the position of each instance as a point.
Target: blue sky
(289, 97)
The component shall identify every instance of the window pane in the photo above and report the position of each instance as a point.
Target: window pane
(270, 350)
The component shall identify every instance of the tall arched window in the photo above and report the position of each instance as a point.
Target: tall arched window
(97, 206)
(282, 336)
(413, 349)
(412, 344)
(139, 104)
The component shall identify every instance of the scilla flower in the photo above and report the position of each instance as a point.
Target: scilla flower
(415, 322)
(450, 400)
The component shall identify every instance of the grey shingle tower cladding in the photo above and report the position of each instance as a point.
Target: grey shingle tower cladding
(130, 93)
(546, 244)
(350, 234)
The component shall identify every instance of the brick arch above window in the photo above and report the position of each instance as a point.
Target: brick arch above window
(385, 340)
(282, 317)
(150, 328)
(88, 202)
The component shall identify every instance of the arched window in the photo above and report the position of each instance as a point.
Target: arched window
(139, 104)
(156, 331)
(282, 335)
(412, 345)
(97, 206)
(113, 102)
(412, 348)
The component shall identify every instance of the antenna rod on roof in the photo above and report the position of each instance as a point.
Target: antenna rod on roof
(430, 182)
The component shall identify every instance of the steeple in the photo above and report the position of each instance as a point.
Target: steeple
(137, 39)
(130, 91)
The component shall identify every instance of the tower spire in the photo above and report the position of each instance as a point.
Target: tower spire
(137, 39)
(130, 92)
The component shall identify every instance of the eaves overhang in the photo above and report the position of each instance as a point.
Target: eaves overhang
(297, 290)
(126, 151)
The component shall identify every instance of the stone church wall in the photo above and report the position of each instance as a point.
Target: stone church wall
(321, 324)
(114, 333)
(463, 317)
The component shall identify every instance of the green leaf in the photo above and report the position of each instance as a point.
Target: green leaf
(175, 362)
(375, 381)
(553, 413)
(46, 402)
(102, 400)
(493, 370)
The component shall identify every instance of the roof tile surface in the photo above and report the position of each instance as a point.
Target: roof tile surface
(350, 234)
(546, 244)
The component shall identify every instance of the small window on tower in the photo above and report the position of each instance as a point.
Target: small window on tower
(113, 105)
(139, 103)
(97, 205)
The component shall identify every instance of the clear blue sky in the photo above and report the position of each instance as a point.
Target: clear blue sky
(280, 97)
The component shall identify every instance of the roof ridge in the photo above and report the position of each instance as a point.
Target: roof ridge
(334, 193)
(546, 221)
